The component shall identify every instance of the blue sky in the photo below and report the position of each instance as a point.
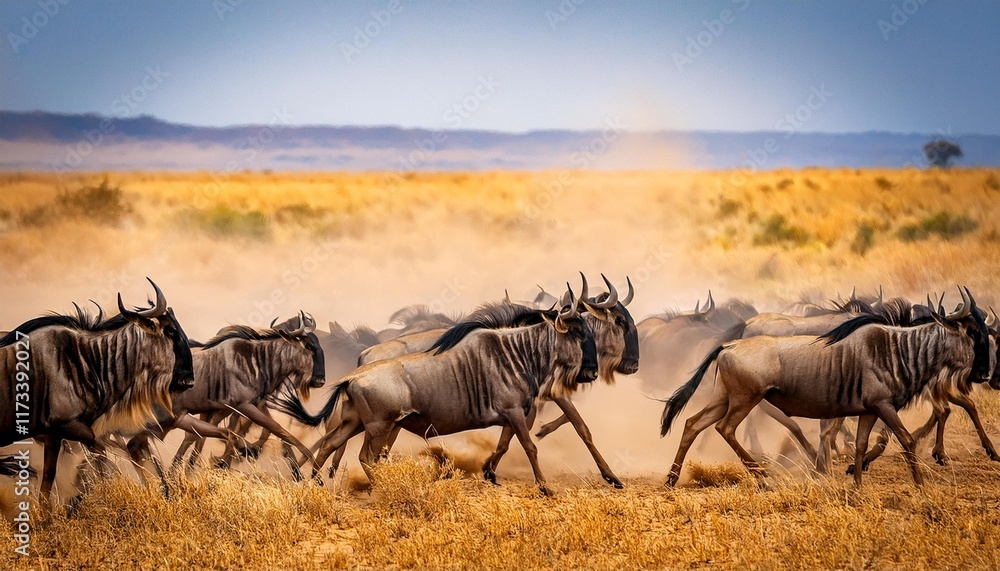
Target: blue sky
(905, 66)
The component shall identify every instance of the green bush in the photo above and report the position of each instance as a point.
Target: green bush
(864, 239)
(224, 221)
(103, 204)
(728, 207)
(942, 224)
(777, 230)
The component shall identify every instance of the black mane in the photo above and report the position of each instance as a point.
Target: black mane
(840, 332)
(491, 315)
(241, 332)
(82, 321)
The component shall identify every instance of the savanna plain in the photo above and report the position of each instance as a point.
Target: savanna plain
(355, 247)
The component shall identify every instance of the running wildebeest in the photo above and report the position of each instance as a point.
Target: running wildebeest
(618, 351)
(940, 393)
(477, 376)
(84, 378)
(238, 369)
(860, 368)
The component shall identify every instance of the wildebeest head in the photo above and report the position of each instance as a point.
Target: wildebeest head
(614, 330)
(160, 323)
(969, 321)
(308, 362)
(993, 324)
(574, 342)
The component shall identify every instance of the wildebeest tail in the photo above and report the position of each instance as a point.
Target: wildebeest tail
(290, 404)
(10, 466)
(676, 402)
(732, 334)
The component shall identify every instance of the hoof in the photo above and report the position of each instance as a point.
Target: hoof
(490, 476)
(544, 491)
(672, 480)
(615, 482)
(850, 469)
(995, 457)
(942, 459)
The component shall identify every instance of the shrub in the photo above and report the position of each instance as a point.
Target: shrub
(943, 224)
(103, 204)
(883, 183)
(992, 182)
(728, 207)
(864, 239)
(777, 230)
(224, 221)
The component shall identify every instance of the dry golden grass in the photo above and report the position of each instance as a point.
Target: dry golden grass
(416, 519)
(220, 245)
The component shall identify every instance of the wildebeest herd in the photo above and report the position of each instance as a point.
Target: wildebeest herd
(113, 382)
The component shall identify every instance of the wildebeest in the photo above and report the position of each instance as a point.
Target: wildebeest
(85, 377)
(671, 340)
(415, 319)
(477, 376)
(940, 393)
(860, 368)
(617, 348)
(239, 368)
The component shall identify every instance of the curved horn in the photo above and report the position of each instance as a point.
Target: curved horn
(697, 308)
(631, 293)
(161, 303)
(302, 325)
(879, 301)
(309, 322)
(612, 296)
(964, 308)
(930, 304)
(122, 309)
(100, 310)
(584, 289)
(273, 321)
(940, 308)
(506, 297)
(992, 320)
(572, 303)
(711, 302)
(854, 292)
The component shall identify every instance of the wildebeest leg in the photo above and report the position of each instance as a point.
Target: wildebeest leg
(970, 407)
(888, 415)
(375, 445)
(192, 438)
(263, 418)
(941, 411)
(584, 432)
(52, 447)
(792, 427)
(828, 430)
(490, 466)
(880, 444)
(865, 424)
(515, 417)
(738, 410)
(335, 440)
(550, 427)
(712, 413)
(753, 439)
(140, 452)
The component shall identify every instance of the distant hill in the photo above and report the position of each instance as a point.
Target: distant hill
(49, 141)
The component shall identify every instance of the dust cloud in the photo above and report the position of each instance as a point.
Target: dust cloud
(451, 241)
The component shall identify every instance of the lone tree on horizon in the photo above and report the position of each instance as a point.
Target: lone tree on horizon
(940, 151)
